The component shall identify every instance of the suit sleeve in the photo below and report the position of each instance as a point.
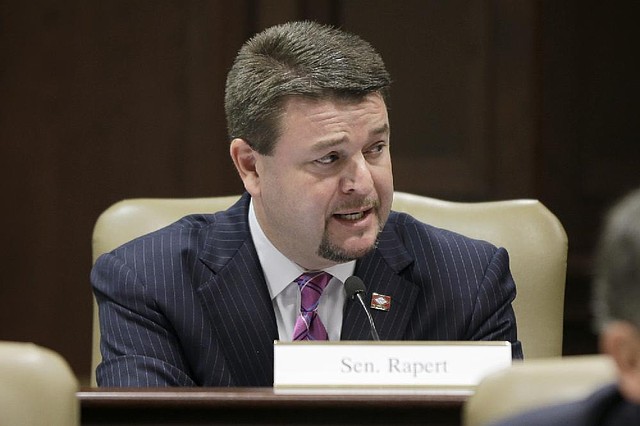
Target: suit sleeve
(138, 346)
(493, 316)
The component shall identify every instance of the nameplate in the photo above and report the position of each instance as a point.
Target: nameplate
(387, 364)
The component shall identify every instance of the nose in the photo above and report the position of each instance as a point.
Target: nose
(357, 178)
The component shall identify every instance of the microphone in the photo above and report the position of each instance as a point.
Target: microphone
(354, 288)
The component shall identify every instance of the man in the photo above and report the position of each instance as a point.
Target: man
(200, 302)
(616, 305)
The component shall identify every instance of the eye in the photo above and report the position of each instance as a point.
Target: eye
(328, 159)
(376, 149)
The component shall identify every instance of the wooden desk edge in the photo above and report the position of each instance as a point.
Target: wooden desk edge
(253, 397)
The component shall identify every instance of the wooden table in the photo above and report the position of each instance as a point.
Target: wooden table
(219, 406)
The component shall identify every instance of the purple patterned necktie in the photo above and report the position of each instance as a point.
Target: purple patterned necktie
(308, 325)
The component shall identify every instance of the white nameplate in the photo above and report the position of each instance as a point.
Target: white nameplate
(387, 363)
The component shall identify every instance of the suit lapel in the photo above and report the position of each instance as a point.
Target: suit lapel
(237, 299)
(382, 273)
(239, 305)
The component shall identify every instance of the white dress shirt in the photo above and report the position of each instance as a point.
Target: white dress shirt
(280, 273)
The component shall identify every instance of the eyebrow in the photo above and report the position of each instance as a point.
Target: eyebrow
(330, 143)
(384, 129)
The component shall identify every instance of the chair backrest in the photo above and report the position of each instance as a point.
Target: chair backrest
(535, 383)
(534, 237)
(537, 246)
(131, 218)
(37, 387)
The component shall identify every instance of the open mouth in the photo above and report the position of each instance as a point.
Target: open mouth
(354, 216)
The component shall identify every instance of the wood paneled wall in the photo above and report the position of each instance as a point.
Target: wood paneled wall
(104, 100)
(588, 151)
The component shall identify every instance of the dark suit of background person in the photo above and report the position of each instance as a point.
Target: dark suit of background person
(189, 305)
(616, 305)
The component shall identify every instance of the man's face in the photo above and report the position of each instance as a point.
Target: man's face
(325, 193)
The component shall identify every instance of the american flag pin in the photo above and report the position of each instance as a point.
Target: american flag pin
(380, 301)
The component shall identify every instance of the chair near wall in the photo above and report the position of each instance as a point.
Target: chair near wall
(131, 218)
(537, 246)
(535, 383)
(37, 387)
(534, 237)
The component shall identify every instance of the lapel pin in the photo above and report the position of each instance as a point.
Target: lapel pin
(380, 302)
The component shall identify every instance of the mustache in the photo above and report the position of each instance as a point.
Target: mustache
(356, 205)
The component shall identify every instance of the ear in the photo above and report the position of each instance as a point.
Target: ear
(245, 159)
(621, 341)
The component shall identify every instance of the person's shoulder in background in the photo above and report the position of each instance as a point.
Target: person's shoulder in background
(603, 407)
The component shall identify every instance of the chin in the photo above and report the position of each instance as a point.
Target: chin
(339, 254)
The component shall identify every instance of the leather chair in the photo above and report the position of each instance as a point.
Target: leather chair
(534, 237)
(37, 387)
(537, 246)
(131, 218)
(535, 383)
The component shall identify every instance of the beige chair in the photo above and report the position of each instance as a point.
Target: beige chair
(37, 387)
(537, 246)
(535, 383)
(128, 219)
(534, 237)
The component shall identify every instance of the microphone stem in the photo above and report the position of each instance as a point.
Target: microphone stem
(372, 328)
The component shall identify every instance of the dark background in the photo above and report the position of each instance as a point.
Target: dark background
(102, 100)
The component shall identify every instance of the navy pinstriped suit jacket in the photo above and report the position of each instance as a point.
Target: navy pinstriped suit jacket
(188, 305)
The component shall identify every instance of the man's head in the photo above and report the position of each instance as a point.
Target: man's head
(306, 109)
(616, 292)
(296, 59)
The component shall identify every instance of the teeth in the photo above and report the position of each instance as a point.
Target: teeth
(352, 216)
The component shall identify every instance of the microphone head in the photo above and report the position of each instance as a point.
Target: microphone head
(353, 285)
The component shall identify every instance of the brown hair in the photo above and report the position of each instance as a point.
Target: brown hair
(296, 59)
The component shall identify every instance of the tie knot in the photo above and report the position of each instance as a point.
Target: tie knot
(314, 278)
(311, 285)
